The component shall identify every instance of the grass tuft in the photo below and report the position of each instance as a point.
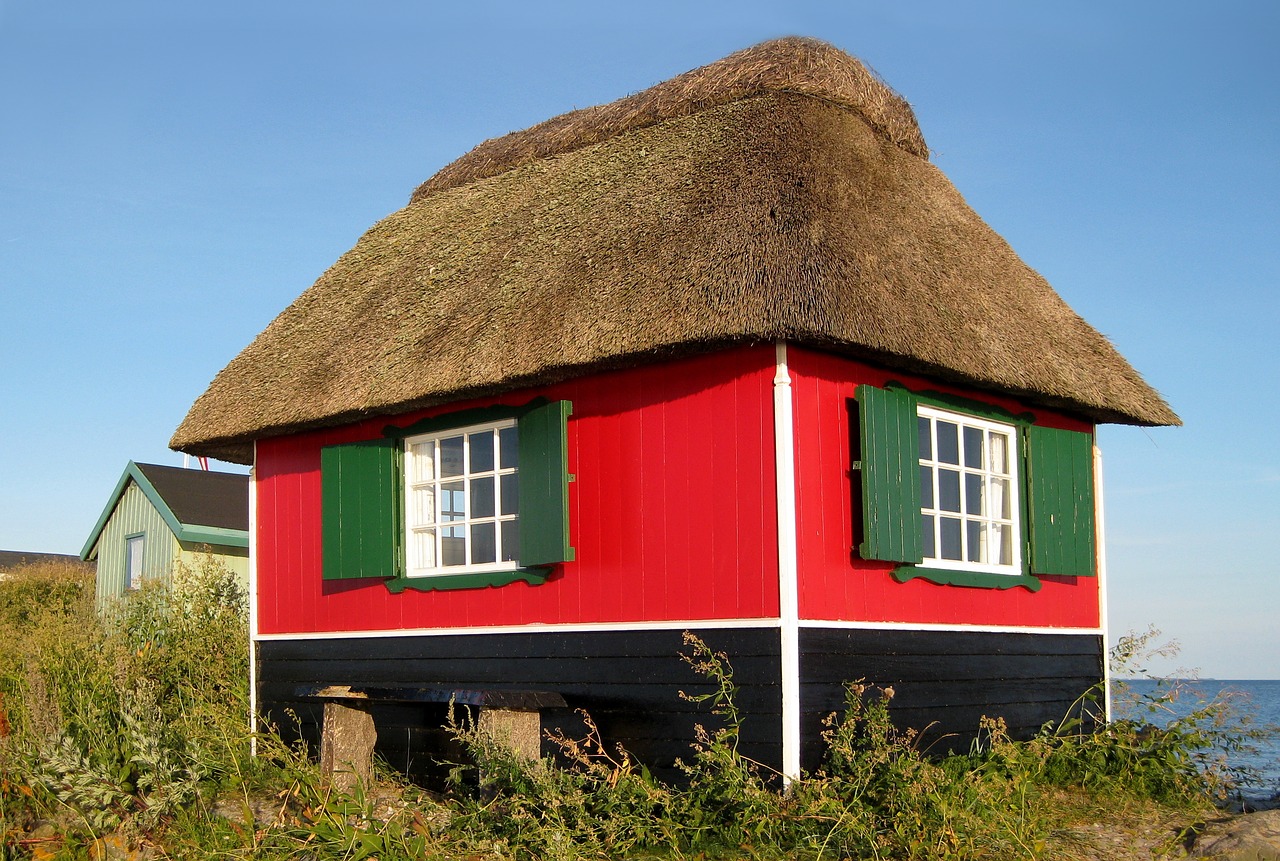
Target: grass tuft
(127, 728)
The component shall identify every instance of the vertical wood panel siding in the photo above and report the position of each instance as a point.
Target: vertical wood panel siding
(628, 681)
(671, 511)
(133, 515)
(945, 681)
(835, 583)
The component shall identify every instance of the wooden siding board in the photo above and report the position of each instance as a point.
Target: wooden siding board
(836, 585)
(647, 558)
(944, 681)
(647, 715)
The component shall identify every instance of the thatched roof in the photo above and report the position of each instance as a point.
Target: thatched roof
(783, 192)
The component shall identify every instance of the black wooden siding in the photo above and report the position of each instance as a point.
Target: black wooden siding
(628, 681)
(944, 681)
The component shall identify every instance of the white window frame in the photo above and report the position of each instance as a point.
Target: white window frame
(135, 548)
(418, 527)
(992, 483)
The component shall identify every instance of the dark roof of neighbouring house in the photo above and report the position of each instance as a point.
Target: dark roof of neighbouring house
(201, 498)
(198, 506)
(14, 558)
(783, 192)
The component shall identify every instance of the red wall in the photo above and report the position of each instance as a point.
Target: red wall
(671, 513)
(836, 586)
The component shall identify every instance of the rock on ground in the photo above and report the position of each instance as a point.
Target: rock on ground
(1249, 837)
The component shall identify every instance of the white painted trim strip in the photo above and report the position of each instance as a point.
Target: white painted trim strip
(573, 627)
(677, 625)
(253, 603)
(926, 626)
(784, 453)
(1100, 531)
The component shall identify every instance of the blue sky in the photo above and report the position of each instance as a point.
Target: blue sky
(172, 175)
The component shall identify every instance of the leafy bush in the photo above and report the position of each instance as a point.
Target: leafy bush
(118, 719)
(133, 721)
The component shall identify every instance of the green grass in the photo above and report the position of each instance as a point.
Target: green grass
(129, 726)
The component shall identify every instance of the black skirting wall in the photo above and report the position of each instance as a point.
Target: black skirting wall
(945, 681)
(630, 683)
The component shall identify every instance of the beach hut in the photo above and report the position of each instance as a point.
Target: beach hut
(726, 356)
(157, 516)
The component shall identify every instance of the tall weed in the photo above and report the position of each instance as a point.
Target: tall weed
(118, 719)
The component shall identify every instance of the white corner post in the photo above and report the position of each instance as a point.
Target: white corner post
(253, 604)
(788, 567)
(1100, 532)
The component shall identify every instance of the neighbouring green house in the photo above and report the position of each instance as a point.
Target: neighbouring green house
(160, 515)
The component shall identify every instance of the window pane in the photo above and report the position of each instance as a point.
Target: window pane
(930, 545)
(1000, 453)
(453, 501)
(134, 549)
(948, 443)
(510, 540)
(926, 487)
(453, 546)
(451, 456)
(481, 451)
(507, 448)
(422, 454)
(950, 529)
(423, 550)
(482, 497)
(1002, 539)
(973, 447)
(926, 439)
(424, 506)
(510, 493)
(1000, 506)
(948, 490)
(973, 541)
(972, 493)
(484, 543)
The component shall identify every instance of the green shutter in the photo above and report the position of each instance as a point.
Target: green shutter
(360, 509)
(890, 437)
(544, 485)
(1060, 502)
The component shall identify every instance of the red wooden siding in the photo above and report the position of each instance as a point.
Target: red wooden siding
(671, 511)
(834, 584)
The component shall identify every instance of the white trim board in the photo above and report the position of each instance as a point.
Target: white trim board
(558, 628)
(926, 626)
(784, 458)
(674, 625)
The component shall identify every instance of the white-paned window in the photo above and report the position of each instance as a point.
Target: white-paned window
(461, 500)
(969, 493)
(134, 548)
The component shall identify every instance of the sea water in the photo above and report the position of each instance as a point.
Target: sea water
(1258, 700)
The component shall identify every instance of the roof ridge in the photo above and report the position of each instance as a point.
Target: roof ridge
(793, 64)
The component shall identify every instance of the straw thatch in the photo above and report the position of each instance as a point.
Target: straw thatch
(779, 193)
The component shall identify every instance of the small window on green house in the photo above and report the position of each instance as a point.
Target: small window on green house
(965, 494)
(134, 550)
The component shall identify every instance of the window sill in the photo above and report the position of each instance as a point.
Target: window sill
(981, 580)
(481, 580)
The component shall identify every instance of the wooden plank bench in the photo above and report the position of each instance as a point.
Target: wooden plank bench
(348, 734)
